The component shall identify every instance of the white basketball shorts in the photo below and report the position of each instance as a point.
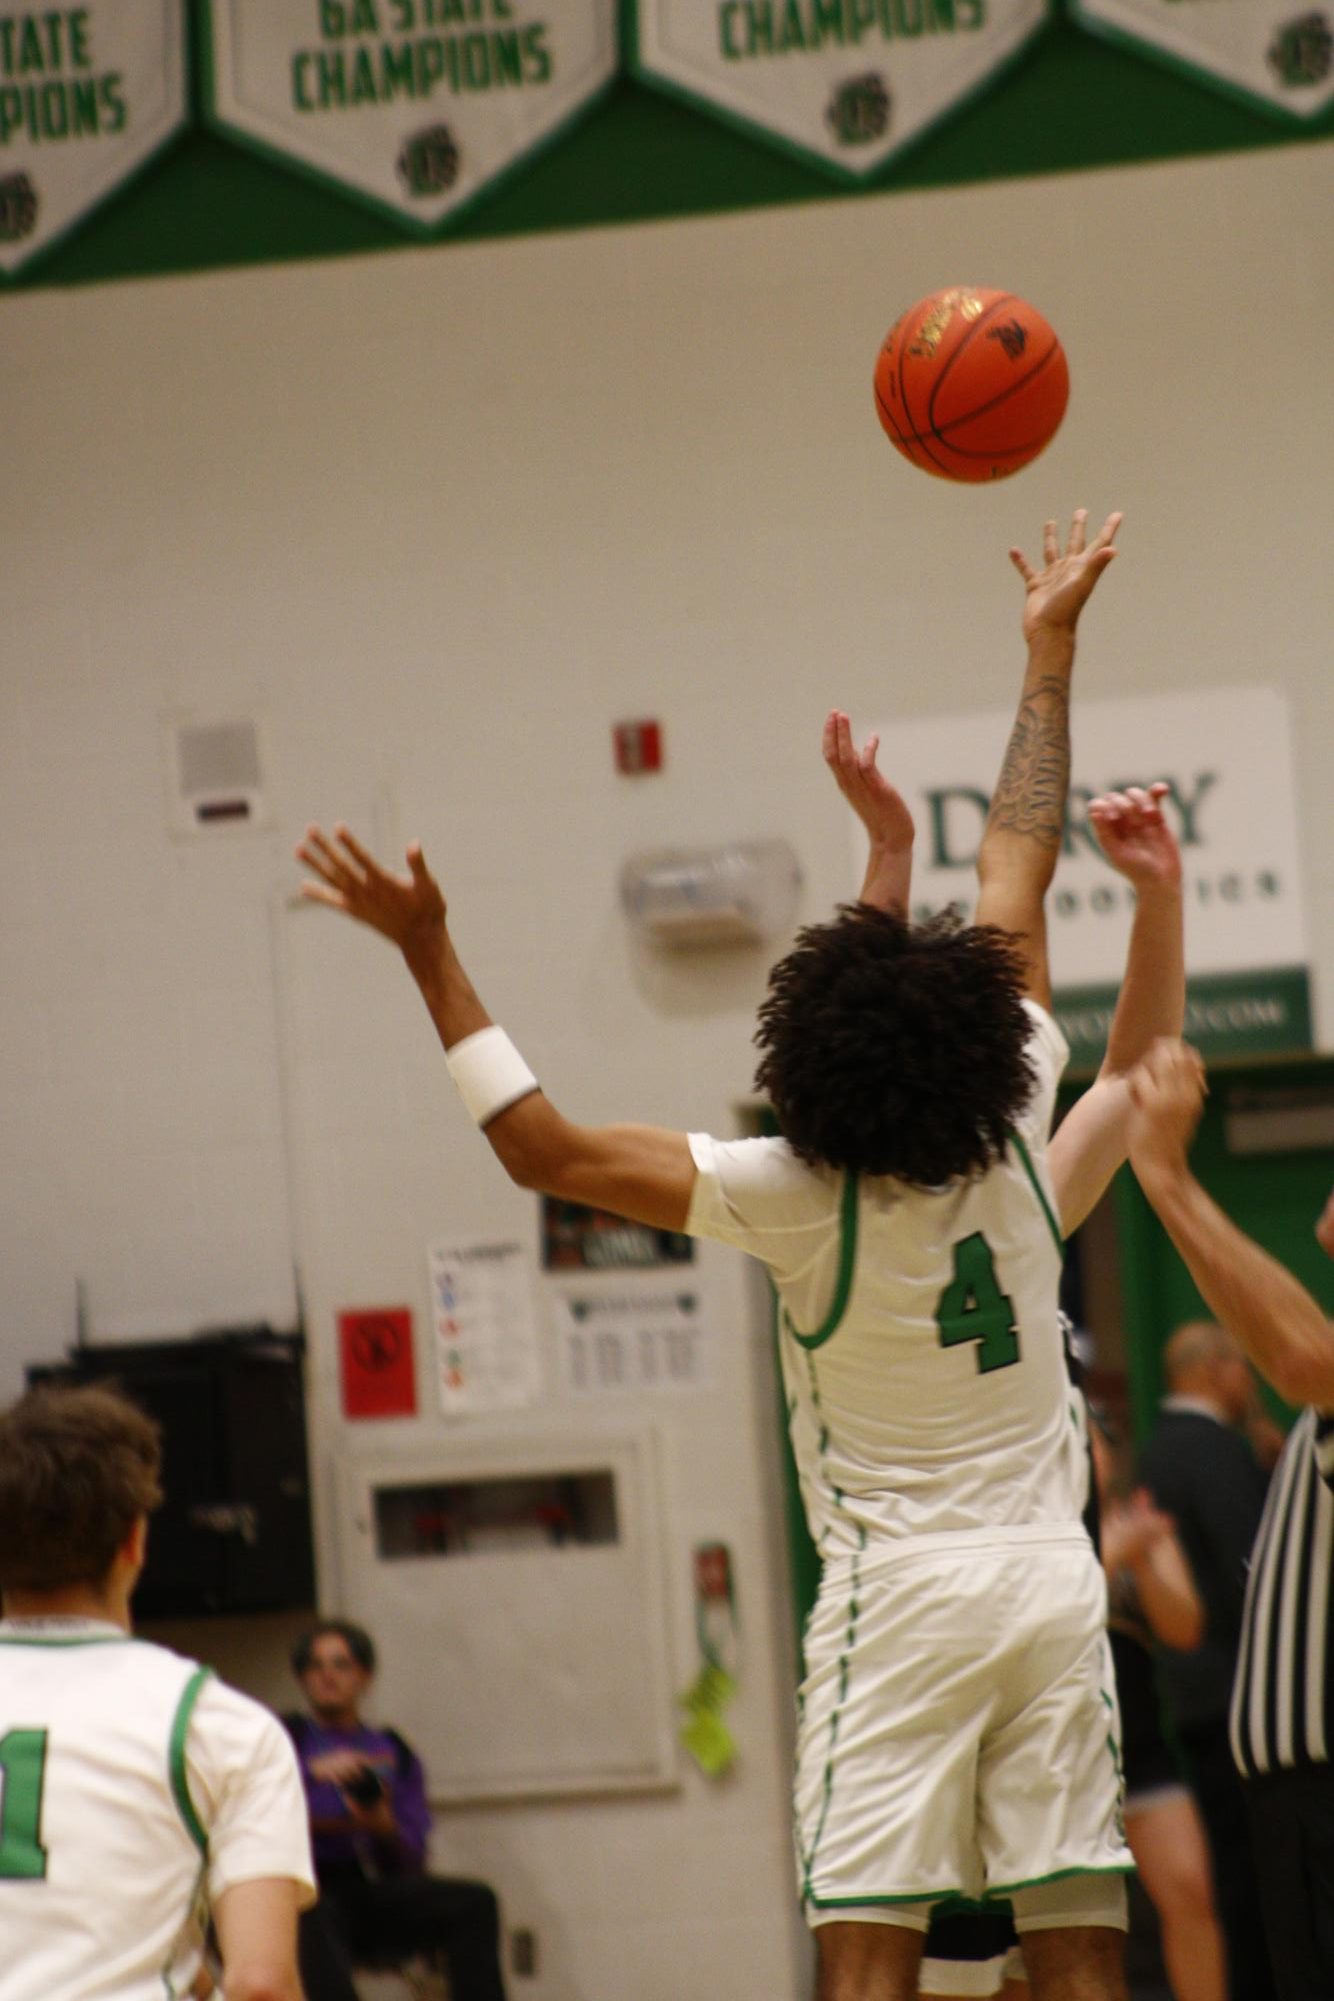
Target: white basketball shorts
(959, 1731)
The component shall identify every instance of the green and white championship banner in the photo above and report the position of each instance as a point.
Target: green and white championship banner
(1225, 755)
(87, 95)
(1280, 52)
(416, 106)
(847, 82)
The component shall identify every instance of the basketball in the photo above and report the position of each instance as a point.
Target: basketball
(971, 384)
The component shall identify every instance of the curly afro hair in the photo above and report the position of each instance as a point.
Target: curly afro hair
(896, 1048)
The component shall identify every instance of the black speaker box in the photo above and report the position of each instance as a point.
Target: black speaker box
(233, 1534)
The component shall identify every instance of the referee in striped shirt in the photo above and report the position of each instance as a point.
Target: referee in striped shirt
(1283, 1697)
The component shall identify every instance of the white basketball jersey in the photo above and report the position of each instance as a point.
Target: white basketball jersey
(108, 1797)
(921, 1348)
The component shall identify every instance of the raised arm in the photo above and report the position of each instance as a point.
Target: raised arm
(1281, 1327)
(1022, 840)
(643, 1172)
(1092, 1141)
(881, 810)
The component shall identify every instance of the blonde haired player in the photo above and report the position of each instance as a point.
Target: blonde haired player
(137, 1793)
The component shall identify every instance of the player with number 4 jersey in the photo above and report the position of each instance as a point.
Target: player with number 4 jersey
(959, 1730)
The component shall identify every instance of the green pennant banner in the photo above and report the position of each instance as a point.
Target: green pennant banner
(1279, 53)
(416, 106)
(846, 82)
(87, 96)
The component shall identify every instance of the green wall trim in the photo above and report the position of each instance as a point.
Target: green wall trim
(1073, 101)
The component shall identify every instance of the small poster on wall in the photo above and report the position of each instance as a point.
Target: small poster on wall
(414, 105)
(375, 1362)
(487, 1351)
(576, 1238)
(644, 1334)
(87, 95)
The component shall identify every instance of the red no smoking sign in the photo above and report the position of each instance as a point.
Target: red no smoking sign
(375, 1362)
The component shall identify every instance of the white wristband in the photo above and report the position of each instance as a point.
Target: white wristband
(490, 1073)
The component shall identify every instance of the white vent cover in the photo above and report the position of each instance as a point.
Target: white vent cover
(738, 895)
(215, 775)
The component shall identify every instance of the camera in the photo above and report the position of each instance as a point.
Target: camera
(366, 1789)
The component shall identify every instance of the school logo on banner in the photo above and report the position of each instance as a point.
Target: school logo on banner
(1279, 51)
(415, 105)
(87, 95)
(850, 82)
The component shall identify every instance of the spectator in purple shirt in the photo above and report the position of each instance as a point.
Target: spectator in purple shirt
(369, 1823)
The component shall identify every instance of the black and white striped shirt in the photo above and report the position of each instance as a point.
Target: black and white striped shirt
(1283, 1695)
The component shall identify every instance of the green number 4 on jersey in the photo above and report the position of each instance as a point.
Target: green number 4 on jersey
(973, 1308)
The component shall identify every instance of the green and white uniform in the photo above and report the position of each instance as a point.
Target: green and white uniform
(958, 1722)
(134, 1788)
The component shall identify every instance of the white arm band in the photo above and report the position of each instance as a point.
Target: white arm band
(490, 1073)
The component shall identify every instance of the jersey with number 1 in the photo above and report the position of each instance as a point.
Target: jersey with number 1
(921, 1348)
(134, 1787)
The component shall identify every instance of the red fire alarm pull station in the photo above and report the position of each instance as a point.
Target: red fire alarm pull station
(638, 747)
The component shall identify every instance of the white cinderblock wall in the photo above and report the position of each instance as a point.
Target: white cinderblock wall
(439, 518)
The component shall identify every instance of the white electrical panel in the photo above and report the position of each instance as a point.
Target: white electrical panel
(514, 1589)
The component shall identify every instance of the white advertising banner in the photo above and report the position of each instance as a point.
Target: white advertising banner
(87, 95)
(849, 82)
(1226, 756)
(1280, 51)
(417, 106)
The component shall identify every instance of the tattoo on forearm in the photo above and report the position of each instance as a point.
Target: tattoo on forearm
(1035, 777)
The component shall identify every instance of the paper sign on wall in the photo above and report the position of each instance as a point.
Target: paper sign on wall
(643, 1334)
(486, 1331)
(1279, 51)
(849, 82)
(375, 1363)
(87, 95)
(415, 105)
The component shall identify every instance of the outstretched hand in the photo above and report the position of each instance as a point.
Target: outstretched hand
(1057, 593)
(1134, 835)
(1167, 1092)
(407, 910)
(879, 807)
(1131, 1528)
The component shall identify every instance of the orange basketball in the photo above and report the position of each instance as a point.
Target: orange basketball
(971, 384)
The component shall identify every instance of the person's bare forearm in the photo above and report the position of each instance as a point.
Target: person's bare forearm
(1152, 1000)
(887, 883)
(1168, 1596)
(1281, 1327)
(450, 996)
(1027, 816)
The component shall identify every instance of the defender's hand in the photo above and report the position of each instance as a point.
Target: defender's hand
(408, 910)
(1135, 837)
(1167, 1092)
(879, 807)
(1057, 593)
